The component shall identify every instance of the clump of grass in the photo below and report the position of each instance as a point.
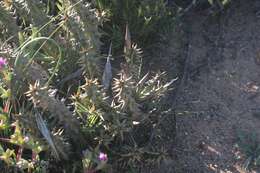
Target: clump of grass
(250, 147)
(146, 20)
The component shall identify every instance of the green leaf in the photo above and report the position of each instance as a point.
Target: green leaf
(1, 150)
(211, 2)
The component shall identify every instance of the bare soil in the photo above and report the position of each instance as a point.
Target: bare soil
(220, 90)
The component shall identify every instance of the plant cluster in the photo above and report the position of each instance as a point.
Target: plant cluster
(61, 112)
(145, 18)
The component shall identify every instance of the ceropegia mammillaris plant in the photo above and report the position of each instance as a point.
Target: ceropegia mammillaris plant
(87, 126)
(41, 47)
(120, 116)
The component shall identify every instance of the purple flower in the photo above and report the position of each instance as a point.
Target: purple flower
(2, 62)
(102, 157)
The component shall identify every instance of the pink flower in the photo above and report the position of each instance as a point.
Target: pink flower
(26, 139)
(102, 157)
(3, 62)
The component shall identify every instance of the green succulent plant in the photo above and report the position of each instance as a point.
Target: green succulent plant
(48, 115)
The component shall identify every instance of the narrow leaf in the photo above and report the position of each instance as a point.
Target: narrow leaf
(107, 74)
(46, 133)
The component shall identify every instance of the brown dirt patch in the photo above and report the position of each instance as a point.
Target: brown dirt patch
(221, 93)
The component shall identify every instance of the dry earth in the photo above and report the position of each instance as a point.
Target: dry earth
(220, 94)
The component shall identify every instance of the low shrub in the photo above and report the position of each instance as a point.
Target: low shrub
(144, 17)
(60, 111)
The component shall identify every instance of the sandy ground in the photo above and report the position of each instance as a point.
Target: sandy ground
(220, 97)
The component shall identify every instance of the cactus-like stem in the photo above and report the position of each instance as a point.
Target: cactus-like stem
(42, 98)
